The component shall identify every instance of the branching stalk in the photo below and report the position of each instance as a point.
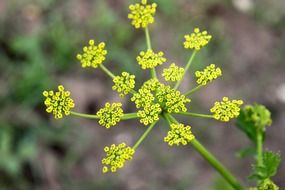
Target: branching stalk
(89, 116)
(107, 71)
(211, 159)
(193, 90)
(148, 43)
(195, 114)
(144, 135)
(186, 68)
(126, 116)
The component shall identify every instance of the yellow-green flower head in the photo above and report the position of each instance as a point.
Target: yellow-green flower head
(142, 98)
(226, 109)
(145, 95)
(173, 73)
(149, 59)
(197, 39)
(151, 85)
(171, 100)
(110, 115)
(58, 103)
(116, 156)
(93, 55)
(142, 14)
(259, 115)
(209, 74)
(179, 134)
(124, 84)
(149, 114)
(267, 184)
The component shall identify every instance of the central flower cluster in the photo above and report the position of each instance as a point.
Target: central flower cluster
(154, 97)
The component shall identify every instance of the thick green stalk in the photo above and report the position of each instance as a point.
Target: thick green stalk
(193, 90)
(259, 159)
(107, 71)
(211, 159)
(186, 68)
(195, 114)
(148, 43)
(144, 135)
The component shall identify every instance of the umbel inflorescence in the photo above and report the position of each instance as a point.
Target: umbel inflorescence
(156, 99)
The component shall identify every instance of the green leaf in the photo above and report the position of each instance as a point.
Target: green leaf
(271, 161)
(269, 168)
(246, 126)
(249, 151)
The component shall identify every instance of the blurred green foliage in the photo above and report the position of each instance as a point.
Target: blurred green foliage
(38, 44)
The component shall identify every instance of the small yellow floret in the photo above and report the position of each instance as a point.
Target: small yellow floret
(110, 115)
(58, 103)
(93, 55)
(149, 114)
(142, 14)
(226, 109)
(124, 84)
(149, 59)
(116, 156)
(171, 100)
(209, 74)
(173, 73)
(179, 134)
(197, 39)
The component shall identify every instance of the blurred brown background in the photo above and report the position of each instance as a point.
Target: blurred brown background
(38, 43)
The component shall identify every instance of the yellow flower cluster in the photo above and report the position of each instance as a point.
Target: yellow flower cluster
(116, 156)
(110, 115)
(142, 98)
(144, 95)
(179, 134)
(151, 85)
(209, 74)
(124, 84)
(154, 97)
(142, 14)
(149, 59)
(93, 55)
(226, 109)
(197, 39)
(149, 114)
(173, 73)
(267, 184)
(58, 103)
(171, 100)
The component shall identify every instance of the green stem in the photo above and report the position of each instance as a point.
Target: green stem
(193, 90)
(89, 116)
(144, 135)
(147, 36)
(107, 71)
(259, 158)
(211, 159)
(128, 116)
(148, 43)
(216, 164)
(195, 114)
(186, 68)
